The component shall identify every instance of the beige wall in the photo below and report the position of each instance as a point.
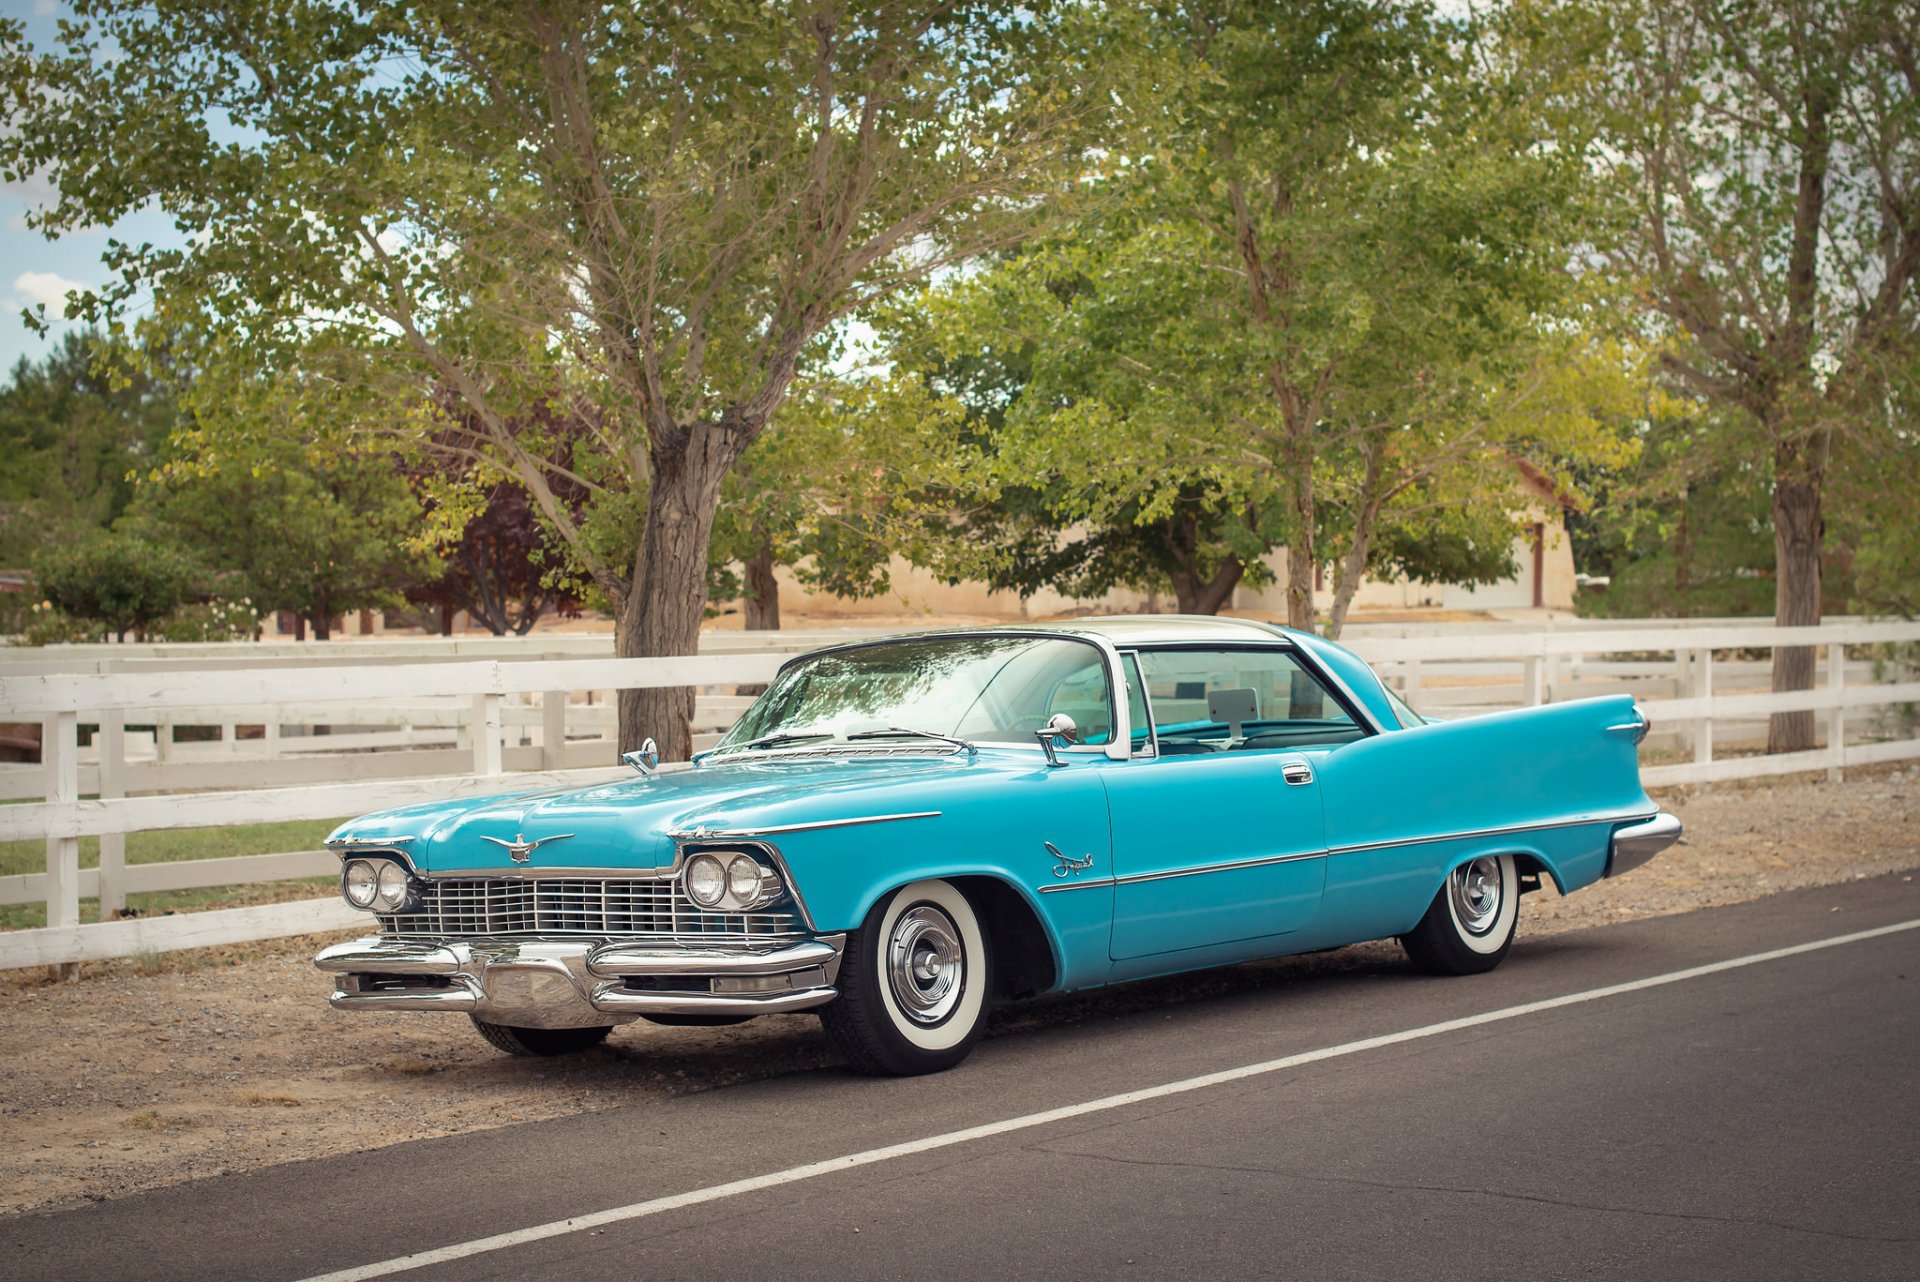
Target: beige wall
(915, 591)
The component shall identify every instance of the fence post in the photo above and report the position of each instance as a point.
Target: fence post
(1410, 682)
(1703, 689)
(113, 845)
(553, 730)
(60, 757)
(1837, 715)
(486, 734)
(1534, 694)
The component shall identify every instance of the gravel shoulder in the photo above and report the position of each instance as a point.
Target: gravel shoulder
(195, 1064)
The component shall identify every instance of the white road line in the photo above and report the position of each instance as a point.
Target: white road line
(795, 1174)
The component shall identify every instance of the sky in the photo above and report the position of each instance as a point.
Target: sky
(33, 269)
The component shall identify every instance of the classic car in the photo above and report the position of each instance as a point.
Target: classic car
(898, 833)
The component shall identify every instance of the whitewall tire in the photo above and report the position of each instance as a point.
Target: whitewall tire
(1469, 926)
(913, 983)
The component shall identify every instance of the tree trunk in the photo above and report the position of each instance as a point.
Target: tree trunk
(763, 591)
(1194, 595)
(1301, 554)
(1797, 529)
(667, 602)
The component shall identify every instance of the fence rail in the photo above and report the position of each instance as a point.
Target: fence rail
(401, 721)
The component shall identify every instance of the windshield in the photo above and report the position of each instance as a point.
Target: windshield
(984, 689)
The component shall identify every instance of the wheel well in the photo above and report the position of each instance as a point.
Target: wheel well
(1533, 873)
(1022, 954)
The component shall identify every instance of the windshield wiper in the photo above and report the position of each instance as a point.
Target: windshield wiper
(891, 731)
(781, 736)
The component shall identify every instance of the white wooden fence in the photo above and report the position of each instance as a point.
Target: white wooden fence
(404, 725)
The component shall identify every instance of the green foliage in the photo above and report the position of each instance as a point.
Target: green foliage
(122, 581)
(664, 212)
(299, 528)
(1325, 309)
(73, 430)
(215, 620)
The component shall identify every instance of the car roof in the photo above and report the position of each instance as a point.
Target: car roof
(1151, 629)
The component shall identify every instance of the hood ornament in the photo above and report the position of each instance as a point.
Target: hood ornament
(520, 850)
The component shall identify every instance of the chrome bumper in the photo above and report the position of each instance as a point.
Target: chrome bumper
(1637, 843)
(547, 983)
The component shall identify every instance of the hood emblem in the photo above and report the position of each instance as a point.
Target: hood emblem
(520, 849)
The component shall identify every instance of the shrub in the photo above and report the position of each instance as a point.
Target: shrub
(123, 582)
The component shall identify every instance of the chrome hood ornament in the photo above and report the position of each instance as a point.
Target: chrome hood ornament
(520, 850)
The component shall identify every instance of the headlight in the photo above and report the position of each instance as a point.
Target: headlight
(743, 879)
(731, 882)
(360, 882)
(706, 881)
(394, 887)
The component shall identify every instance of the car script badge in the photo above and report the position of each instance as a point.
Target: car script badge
(520, 850)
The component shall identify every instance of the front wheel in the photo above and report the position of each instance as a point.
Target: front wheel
(1469, 925)
(913, 984)
(540, 1041)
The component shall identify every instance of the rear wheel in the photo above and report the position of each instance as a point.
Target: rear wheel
(913, 984)
(540, 1041)
(1470, 923)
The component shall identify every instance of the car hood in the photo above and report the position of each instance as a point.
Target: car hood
(626, 824)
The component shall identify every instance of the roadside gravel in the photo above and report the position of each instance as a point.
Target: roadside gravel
(198, 1064)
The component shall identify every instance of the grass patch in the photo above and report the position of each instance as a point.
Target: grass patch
(158, 903)
(176, 845)
(264, 1099)
(152, 1120)
(179, 846)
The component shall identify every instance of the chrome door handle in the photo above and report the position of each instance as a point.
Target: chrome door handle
(1297, 772)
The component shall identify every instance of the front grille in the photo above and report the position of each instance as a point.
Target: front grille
(594, 908)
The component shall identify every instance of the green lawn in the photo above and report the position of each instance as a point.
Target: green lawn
(172, 846)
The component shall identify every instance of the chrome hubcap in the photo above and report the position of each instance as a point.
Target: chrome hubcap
(1475, 888)
(925, 964)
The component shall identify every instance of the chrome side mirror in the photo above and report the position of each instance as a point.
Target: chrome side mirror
(645, 758)
(1059, 726)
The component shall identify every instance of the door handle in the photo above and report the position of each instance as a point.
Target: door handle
(1297, 772)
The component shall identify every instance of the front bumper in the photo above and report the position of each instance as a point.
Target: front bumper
(1637, 843)
(572, 983)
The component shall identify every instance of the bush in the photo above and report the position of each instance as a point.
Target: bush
(208, 621)
(45, 625)
(123, 582)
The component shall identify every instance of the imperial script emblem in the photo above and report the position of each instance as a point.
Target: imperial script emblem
(520, 850)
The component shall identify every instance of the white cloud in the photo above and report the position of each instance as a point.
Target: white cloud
(45, 8)
(48, 289)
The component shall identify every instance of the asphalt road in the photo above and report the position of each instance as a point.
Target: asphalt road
(1759, 1121)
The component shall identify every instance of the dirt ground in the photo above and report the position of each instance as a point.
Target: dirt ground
(146, 1074)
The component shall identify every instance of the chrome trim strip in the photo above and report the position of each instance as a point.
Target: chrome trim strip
(1056, 887)
(1229, 866)
(619, 1001)
(351, 842)
(1578, 822)
(721, 834)
(526, 872)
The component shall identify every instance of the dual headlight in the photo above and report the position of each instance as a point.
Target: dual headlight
(730, 881)
(377, 885)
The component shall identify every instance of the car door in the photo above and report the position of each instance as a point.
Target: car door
(1219, 838)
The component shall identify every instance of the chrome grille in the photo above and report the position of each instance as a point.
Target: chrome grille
(610, 908)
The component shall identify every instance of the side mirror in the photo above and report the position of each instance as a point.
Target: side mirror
(645, 759)
(1059, 726)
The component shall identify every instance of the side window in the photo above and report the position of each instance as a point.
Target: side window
(1250, 700)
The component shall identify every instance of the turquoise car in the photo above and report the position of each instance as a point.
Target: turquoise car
(899, 833)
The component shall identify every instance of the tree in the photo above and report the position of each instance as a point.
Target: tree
(1769, 155)
(123, 581)
(73, 429)
(1326, 310)
(305, 529)
(500, 569)
(662, 210)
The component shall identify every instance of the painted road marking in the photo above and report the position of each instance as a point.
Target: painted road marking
(795, 1174)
